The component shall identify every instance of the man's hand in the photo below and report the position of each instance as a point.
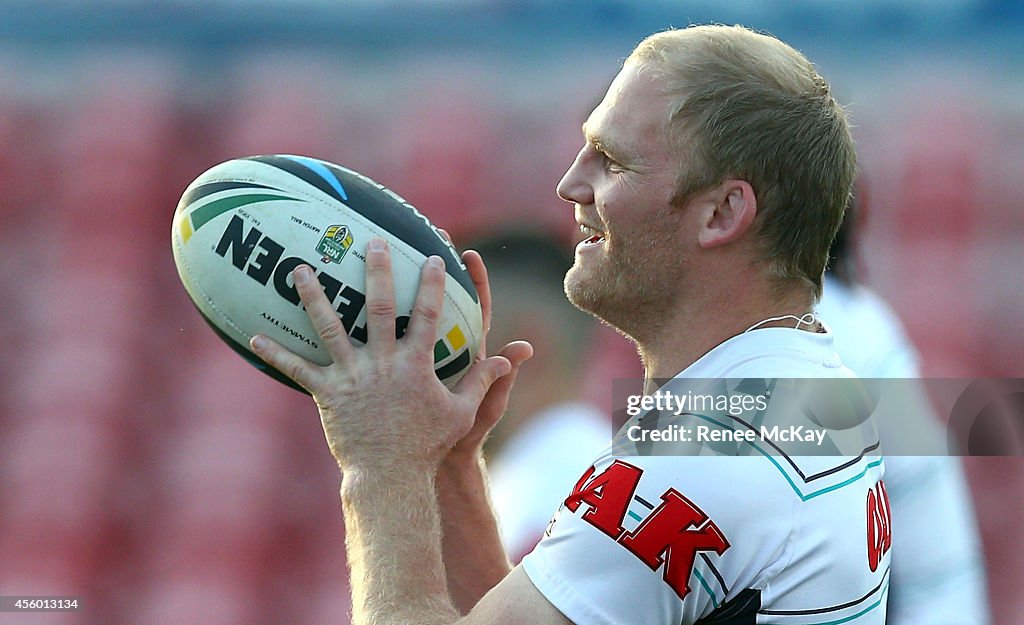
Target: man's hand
(495, 401)
(389, 422)
(475, 561)
(382, 404)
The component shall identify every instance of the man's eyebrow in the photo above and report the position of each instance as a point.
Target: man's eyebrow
(603, 144)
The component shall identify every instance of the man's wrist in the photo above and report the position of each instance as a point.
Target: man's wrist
(459, 464)
(371, 479)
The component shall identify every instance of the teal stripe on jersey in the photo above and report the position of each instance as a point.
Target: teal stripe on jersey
(714, 600)
(792, 484)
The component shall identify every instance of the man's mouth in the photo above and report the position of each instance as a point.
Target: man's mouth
(596, 237)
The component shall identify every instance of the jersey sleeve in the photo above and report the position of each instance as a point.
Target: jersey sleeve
(658, 540)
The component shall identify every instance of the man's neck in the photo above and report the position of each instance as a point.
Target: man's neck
(694, 332)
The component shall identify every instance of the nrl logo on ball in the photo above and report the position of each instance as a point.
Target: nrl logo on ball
(335, 244)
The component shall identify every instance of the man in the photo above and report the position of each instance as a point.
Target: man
(712, 181)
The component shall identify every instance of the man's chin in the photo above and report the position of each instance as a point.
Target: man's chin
(585, 292)
(593, 293)
(574, 286)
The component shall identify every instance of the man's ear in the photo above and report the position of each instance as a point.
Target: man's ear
(729, 215)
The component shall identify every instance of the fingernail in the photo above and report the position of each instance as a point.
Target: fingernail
(435, 261)
(258, 342)
(505, 368)
(302, 274)
(378, 245)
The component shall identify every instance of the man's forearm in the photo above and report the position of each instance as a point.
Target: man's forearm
(393, 536)
(474, 558)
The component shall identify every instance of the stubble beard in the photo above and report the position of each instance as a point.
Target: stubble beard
(622, 289)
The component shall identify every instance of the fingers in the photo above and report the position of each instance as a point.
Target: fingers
(324, 318)
(478, 273)
(495, 401)
(426, 313)
(481, 376)
(517, 352)
(304, 373)
(488, 383)
(380, 298)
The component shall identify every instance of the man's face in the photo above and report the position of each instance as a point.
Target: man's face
(622, 181)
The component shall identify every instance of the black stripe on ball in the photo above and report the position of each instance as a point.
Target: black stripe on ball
(302, 172)
(453, 367)
(390, 213)
(199, 192)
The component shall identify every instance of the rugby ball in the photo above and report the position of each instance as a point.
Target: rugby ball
(242, 227)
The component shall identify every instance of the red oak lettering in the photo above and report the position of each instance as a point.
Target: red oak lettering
(879, 517)
(608, 496)
(672, 535)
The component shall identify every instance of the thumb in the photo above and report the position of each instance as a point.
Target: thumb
(478, 380)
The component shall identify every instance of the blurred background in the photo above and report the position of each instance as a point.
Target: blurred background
(148, 469)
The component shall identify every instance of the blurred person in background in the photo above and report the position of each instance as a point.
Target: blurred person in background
(531, 466)
(938, 571)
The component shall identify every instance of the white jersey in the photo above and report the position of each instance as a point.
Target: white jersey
(754, 539)
(938, 576)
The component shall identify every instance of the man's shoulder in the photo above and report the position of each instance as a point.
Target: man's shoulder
(771, 353)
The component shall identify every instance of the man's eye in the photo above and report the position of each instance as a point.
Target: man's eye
(612, 166)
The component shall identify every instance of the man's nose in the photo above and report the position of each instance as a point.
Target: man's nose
(573, 187)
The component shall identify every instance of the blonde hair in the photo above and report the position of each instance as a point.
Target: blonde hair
(746, 105)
